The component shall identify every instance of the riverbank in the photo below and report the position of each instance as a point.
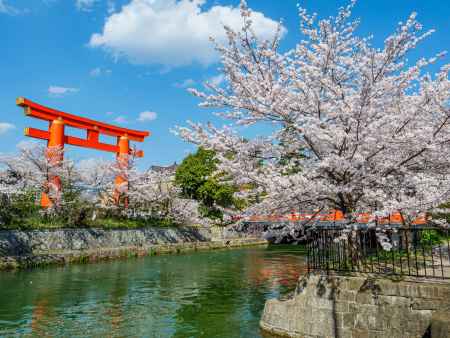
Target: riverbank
(28, 249)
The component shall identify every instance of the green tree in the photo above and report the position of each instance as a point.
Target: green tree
(197, 178)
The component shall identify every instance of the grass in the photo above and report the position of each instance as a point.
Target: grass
(37, 222)
(125, 223)
(23, 212)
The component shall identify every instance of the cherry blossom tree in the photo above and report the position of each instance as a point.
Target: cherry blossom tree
(36, 168)
(154, 194)
(350, 126)
(148, 194)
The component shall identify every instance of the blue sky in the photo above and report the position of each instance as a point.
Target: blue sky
(112, 60)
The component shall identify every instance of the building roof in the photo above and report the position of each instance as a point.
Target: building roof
(161, 169)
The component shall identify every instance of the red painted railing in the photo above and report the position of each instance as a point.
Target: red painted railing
(335, 216)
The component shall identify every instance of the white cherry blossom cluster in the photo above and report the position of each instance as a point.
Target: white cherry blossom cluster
(349, 126)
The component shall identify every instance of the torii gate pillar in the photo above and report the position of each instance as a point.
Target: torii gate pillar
(121, 180)
(55, 156)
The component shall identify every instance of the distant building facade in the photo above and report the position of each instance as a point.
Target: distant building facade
(171, 169)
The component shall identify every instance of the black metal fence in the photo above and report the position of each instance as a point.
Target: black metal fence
(419, 252)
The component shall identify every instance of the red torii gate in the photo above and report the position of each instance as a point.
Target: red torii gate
(56, 139)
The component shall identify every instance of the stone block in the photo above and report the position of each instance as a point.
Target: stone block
(376, 320)
(415, 291)
(426, 304)
(365, 298)
(360, 333)
(426, 291)
(444, 292)
(341, 306)
(299, 325)
(306, 311)
(396, 333)
(355, 283)
(321, 303)
(361, 322)
(388, 288)
(346, 295)
(322, 328)
(440, 324)
(392, 318)
(348, 320)
(403, 290)
(344, 333)
(378, 334)
(395, 301)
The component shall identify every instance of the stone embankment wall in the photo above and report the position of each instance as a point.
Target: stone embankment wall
(361, 306)
(23, 249)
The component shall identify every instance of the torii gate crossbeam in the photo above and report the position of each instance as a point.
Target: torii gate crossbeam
(56, 138)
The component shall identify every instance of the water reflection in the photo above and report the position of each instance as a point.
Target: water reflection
(277, 267)
(208, 294)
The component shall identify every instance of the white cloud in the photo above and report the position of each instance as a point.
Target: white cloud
(172, 32)
(57, 91)
(5, 127)
(8, 9)
(121, 119)
(185, 83)
(147, 116)
(85, 5)
(96, 72)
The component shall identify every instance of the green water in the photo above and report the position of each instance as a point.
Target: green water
(207, 294)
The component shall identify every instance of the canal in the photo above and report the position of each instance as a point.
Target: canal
(205, 294)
